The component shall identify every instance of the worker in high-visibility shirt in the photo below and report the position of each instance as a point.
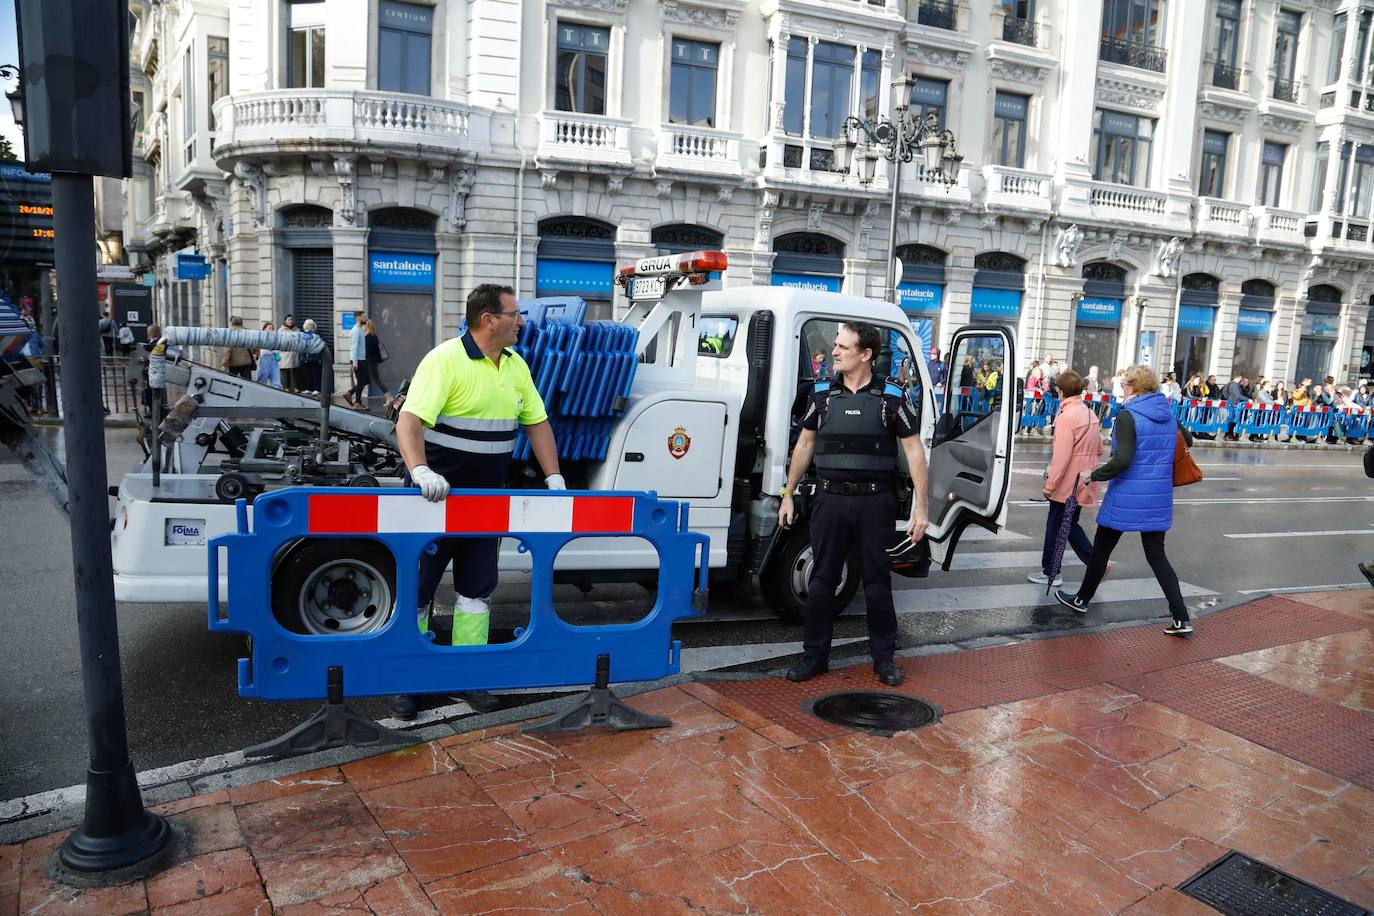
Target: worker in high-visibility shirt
(457, 427)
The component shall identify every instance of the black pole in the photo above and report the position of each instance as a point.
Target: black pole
(116, 832)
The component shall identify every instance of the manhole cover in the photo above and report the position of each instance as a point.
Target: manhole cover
(1239, 886)
(873, 711)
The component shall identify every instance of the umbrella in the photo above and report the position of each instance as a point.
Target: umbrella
(1061, 537)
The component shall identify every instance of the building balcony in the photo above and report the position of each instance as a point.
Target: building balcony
(283, 119)
(793, 163)
(1021, 32)
(698, 151)
(1273, 226)
(1284, 90)
(937, 14)
(1016, 191)
(1115, 205)
(1225, 76)
(1132, 54)
(1221, 219)
(144, 42)
(571, 137)
(934, 189)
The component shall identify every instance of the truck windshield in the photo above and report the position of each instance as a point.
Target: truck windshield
(716, 336)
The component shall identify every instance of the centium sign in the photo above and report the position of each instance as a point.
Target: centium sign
(26, 230)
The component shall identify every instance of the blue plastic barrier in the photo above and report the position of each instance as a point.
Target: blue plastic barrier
(1256, 419)
(1105, 406)
(1352, 423)
(1309, 422)
(398, 658)
(1038, 409)
(1199, 416)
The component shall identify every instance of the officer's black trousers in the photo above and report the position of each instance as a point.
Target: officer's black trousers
(860, 529)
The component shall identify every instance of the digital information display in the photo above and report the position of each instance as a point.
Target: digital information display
(26, 233)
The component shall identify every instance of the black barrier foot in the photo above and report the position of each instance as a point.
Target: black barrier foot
(335, 724)
(598, 708)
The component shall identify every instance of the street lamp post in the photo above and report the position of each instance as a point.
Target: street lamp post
(11, 72)
(897, 139)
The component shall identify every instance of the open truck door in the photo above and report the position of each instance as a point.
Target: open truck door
(970, 453)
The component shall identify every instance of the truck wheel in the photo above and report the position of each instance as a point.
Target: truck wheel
(784, 582)
(334, 585)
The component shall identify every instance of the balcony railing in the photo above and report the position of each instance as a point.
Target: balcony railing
(1017, 189)
(1221, 217)
(1132, 54)
(699, 149)
(1020, 31)
(1225, 76)
(288, 115)
(1127, 199)
(939, 14)
(1285, 90)
(592, 138)
(1279, 225)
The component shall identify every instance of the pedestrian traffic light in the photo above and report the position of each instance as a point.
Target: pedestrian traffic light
(74, 81)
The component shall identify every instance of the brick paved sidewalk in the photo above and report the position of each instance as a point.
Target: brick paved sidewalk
(1081, 774)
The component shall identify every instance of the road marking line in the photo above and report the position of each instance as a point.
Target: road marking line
(1282, 467)
(982, 534)
(1028, 472)
(1004, 559)
(712, 658)
(1303, 588)
(989, 597)
(1284, 534)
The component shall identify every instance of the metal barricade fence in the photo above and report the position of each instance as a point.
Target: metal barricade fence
(116, 393)
(1038, 408)
(1309, 422)
(1256, 419)
(1352, 423)
(1104, 405)
(1199, 416)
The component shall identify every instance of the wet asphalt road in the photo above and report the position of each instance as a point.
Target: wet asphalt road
(180, 678)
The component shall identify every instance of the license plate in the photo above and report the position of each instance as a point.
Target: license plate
(647, 288)
(184, 532)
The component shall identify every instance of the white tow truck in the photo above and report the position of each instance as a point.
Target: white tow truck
(722, 380)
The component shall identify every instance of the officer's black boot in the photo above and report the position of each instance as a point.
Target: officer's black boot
(402, 707)
(480, 700)
(810, 666)
(888, 673)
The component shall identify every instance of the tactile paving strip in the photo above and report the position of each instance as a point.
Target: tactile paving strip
(1313, 731)
(1240, 886)
(1005, 674)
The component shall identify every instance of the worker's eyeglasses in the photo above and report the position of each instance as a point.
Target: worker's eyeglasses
(511, 314)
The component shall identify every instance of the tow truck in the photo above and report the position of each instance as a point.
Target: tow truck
(722, 378)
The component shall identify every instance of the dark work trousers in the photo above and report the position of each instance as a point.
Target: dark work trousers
(860, 529)
(1153, 542)
(241, 371)
(474, 567)
(1078, 540)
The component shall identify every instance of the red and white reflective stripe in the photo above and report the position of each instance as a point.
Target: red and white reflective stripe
(1197, 403)
(461, 514)
(1308, 409)
(1034, 393)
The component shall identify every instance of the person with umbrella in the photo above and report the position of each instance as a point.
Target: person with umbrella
(1141, 495)
(1074, 454)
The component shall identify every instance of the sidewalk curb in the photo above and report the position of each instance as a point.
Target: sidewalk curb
(56, 809)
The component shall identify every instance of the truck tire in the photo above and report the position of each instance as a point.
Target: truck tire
(325, 586)
(783, 583)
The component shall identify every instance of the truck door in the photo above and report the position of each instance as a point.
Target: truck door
(970, 455)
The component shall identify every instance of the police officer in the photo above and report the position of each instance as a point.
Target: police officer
(852, 426)
(457, 428)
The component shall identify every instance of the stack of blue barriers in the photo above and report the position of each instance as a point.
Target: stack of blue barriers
(584, 371)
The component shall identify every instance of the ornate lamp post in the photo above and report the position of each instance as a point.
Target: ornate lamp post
(11, 72)
(897, 139)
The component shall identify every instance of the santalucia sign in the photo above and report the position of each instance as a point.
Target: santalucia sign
(386, 268)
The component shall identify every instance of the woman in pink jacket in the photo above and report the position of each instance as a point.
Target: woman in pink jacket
(1075, 454)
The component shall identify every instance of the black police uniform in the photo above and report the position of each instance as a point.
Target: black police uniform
(855, 511)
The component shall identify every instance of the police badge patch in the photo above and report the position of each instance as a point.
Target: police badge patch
(679, 442)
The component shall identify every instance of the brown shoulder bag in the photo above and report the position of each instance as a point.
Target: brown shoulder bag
(1186, 470)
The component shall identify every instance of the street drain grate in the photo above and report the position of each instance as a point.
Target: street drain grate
(1239, 886)
(873, 711)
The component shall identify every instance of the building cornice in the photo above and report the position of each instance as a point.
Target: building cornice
(715, 14)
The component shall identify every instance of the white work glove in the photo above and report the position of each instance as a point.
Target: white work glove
(433, 486)
(555, 482)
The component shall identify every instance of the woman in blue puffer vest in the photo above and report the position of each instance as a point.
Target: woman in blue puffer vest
(1141, 494)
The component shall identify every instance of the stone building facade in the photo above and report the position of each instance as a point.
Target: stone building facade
(1183, 183)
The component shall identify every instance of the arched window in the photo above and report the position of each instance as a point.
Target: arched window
(809, 243)
(1323, 292)
(680, 238)
(1105, 271)
(809, 253)
(401, 218)
(922, 254)
(1000, 261)
(576, 257)
(1260, 288)
(304, 216)
(1202, 283)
